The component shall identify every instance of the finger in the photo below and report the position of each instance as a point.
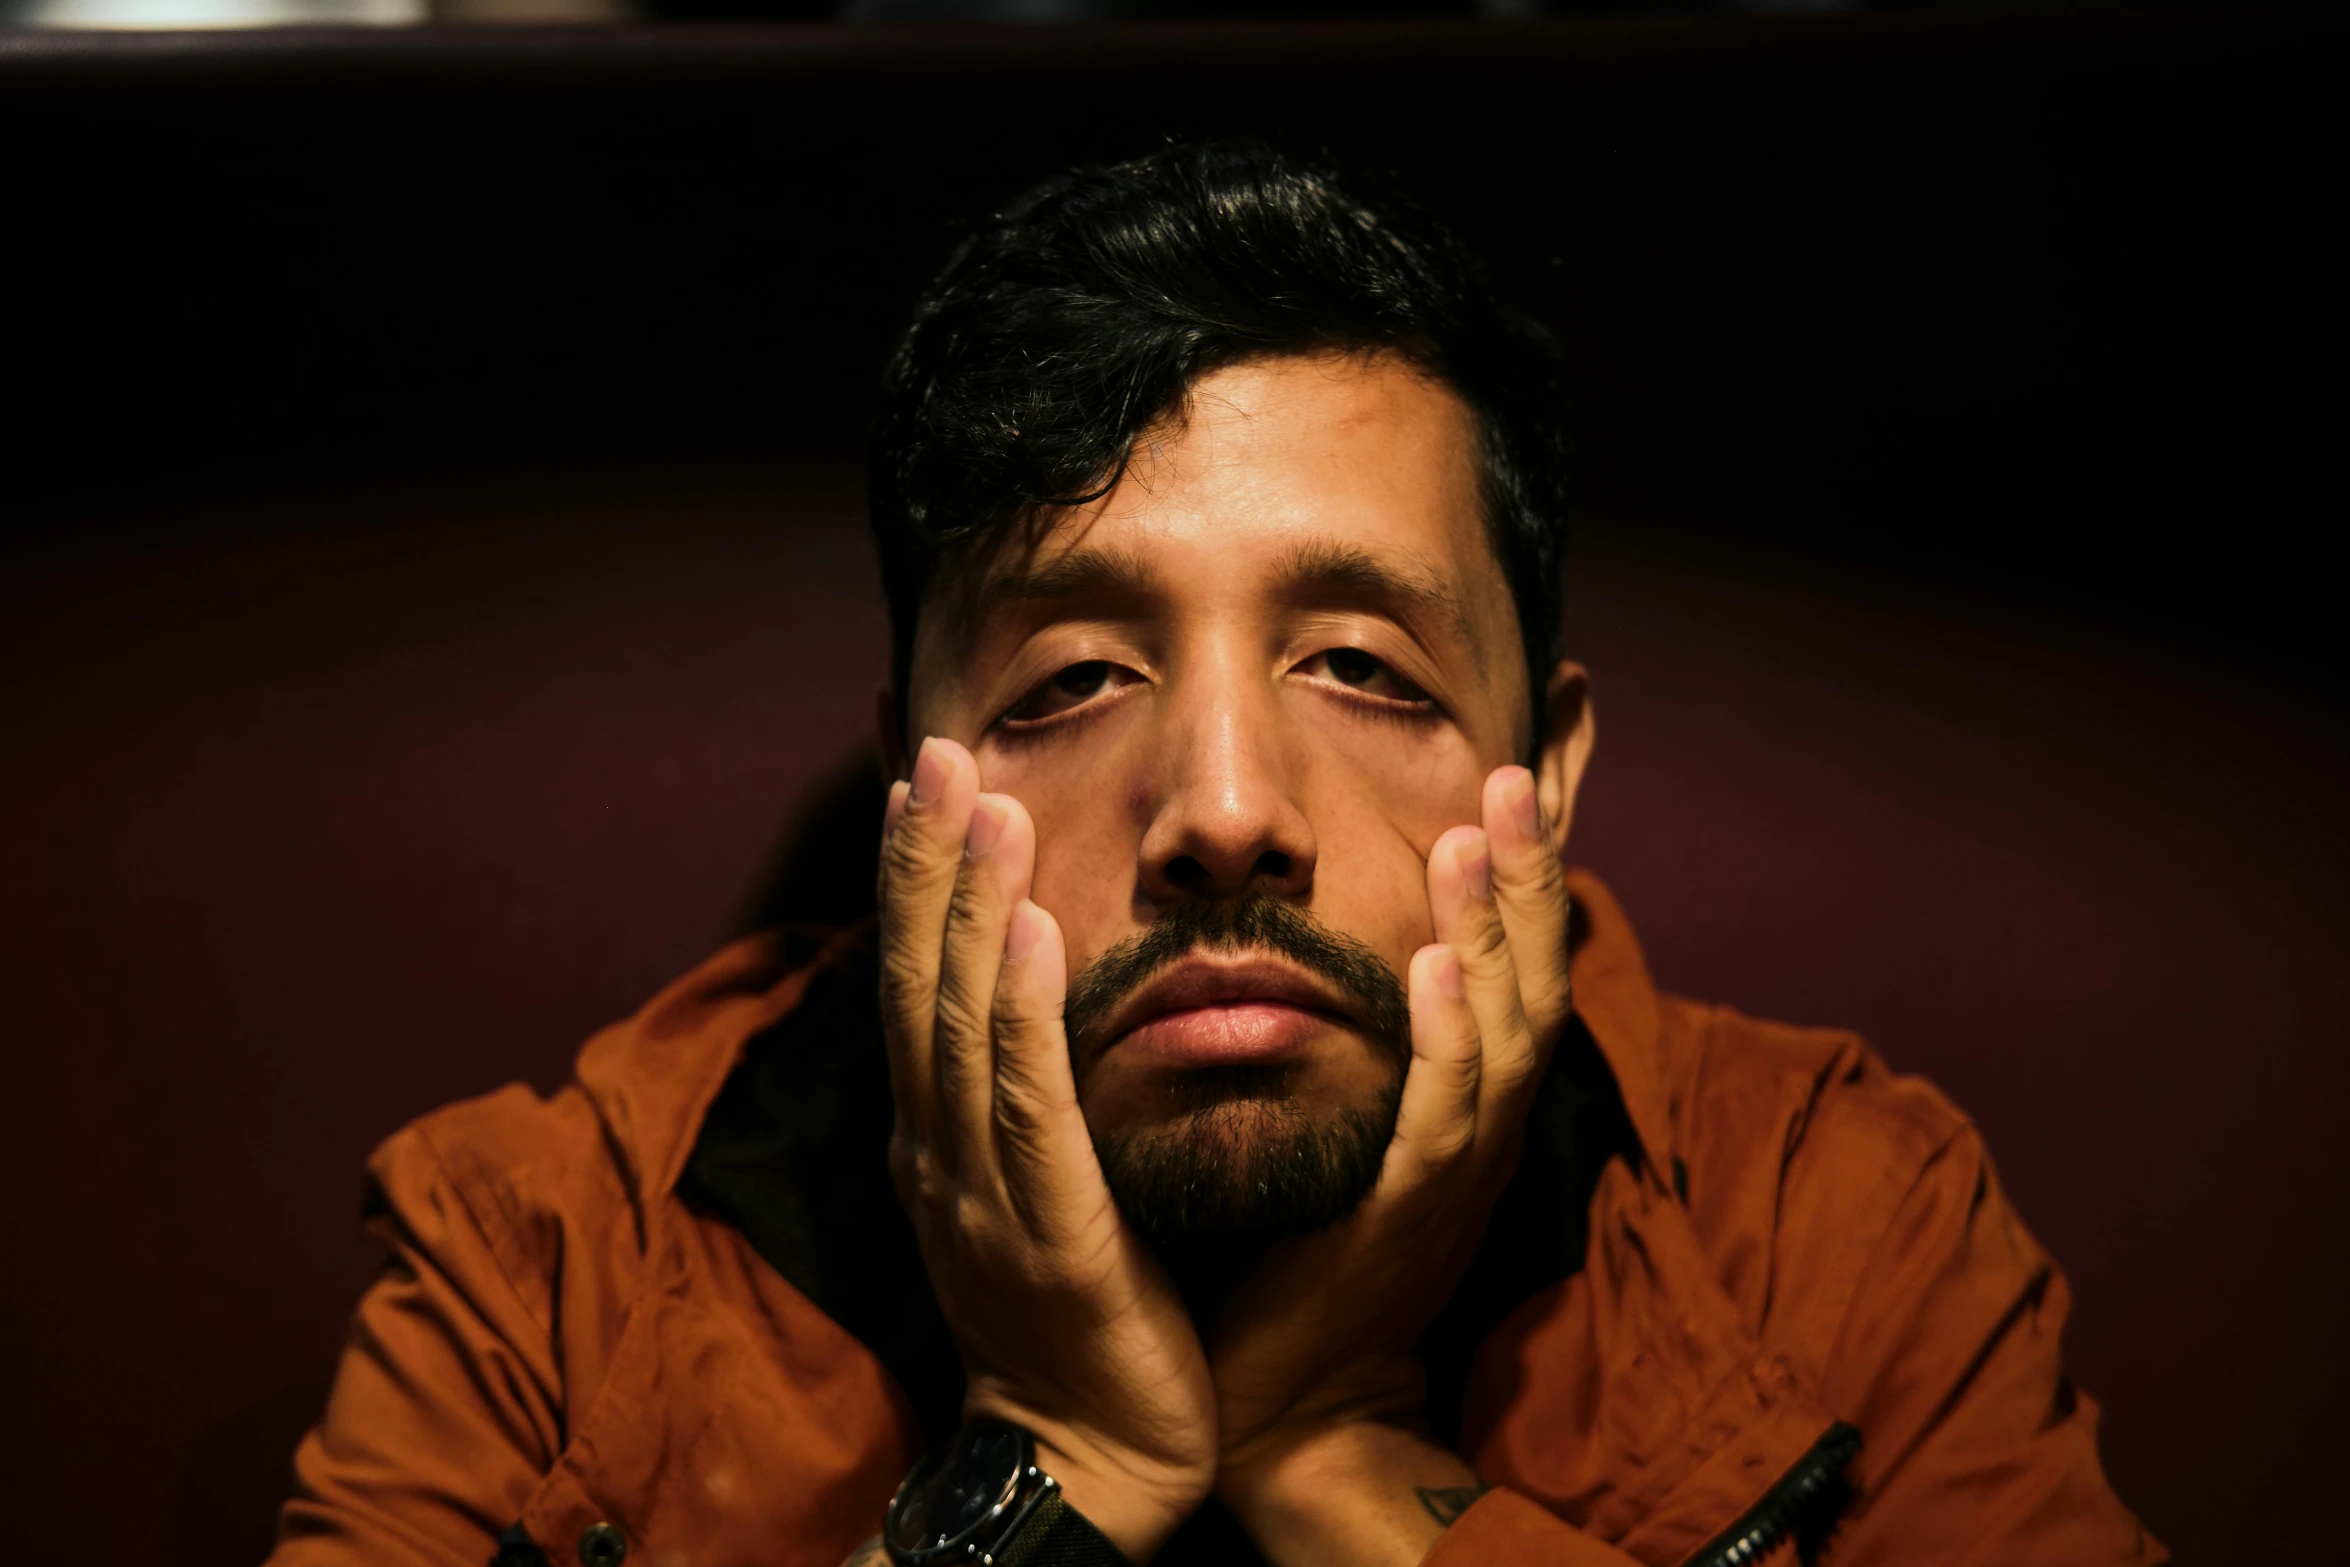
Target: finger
(999, 855)
(1468, 919)
(920, 860)
(889, 827)
(1044, 1152)
(1531, 891)
(895, 809)
(1436, 1121)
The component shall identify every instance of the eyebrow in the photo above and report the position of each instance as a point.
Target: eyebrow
(1326, 568)
(1081, 573)
(1314, 569)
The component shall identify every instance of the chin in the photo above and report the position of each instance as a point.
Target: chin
(1237, 1155)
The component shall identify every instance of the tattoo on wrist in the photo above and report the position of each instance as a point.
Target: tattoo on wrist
(1447, 1502)
(868, 1554)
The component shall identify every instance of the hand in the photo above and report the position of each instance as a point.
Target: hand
(1321, 1338)
(1066, 1323)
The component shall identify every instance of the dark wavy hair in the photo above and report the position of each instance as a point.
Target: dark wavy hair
(1081, 314)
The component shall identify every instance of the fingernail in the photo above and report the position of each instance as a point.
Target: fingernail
(1477, 868)
(930, 774)
(1446, 971)
(1025, 929)
(987, 825)
(897, 808)
(1524, 810)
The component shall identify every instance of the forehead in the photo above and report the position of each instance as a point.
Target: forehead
(1340, 461)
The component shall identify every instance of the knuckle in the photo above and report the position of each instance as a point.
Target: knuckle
(1484, 942)
(910, 865)
(960, 1015)
(1444, 1144)
(1015, 1085)
(1021, 1026)
(970, 900)
(904, 983)
(1020, 1138)
(1010, 1017)
(914, 1171)
(1450, 1143)
(1026, 1106)
(1511, 1080)
(1547, 999)
(1538, 870)
(971, 1219)
(1509, 1054)
(1514, 1074)
(1461, 1078)
(907, 848)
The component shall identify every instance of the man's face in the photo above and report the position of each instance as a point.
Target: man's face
(1242, 695)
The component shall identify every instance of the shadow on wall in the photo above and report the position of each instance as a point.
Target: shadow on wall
(822, 874)
(234, 1465)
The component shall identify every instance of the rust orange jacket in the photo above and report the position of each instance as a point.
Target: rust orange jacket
(567, 1359)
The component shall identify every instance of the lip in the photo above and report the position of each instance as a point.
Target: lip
(1210, 1012)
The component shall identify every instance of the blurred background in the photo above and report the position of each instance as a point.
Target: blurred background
(435, 602)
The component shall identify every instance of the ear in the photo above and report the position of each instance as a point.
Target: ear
(1567, 736)
(889, 732)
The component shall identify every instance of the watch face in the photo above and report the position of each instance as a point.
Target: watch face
(948, 1498)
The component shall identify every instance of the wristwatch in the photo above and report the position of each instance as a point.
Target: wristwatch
(982, 1499)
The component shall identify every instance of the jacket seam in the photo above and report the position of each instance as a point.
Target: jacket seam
(1894, 1462)
(1853, 1277)
(1910, 1143)
(500, 1237)
(575, 1460)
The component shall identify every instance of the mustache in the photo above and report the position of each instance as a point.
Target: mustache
(1254, 922)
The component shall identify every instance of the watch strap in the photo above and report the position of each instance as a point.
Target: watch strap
(1058, 1535)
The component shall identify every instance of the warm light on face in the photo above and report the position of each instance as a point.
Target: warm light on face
(1278, 658)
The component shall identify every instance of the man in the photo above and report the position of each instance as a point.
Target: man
(1238, 1137)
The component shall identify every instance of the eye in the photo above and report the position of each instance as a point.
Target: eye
(1069, 689)
(1359, 671)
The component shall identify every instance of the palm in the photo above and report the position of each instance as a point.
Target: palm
(1092, 1287)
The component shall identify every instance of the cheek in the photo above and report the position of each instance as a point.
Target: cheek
(1377, 892)
(1381, 810)
(1087, 841)
(1414, 782)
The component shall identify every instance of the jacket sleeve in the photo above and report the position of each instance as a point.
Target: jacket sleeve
(1948, 1362)
(445, 1409)
(1503, 1526)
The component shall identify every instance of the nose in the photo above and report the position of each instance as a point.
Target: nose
(1226, 819)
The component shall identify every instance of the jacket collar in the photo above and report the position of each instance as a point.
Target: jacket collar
(1618, 1004)
(654, 1077)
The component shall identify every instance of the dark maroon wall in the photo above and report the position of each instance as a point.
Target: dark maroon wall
(322, 807)
(357, 800)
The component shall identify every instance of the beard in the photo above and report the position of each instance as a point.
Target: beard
(1238, 1159)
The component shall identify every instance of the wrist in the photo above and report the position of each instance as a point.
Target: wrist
(1346, 1491)
(1137, 1511)
(1134, 1500)
(1135, 1492)
(1279, 1469)
(999, 1490)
